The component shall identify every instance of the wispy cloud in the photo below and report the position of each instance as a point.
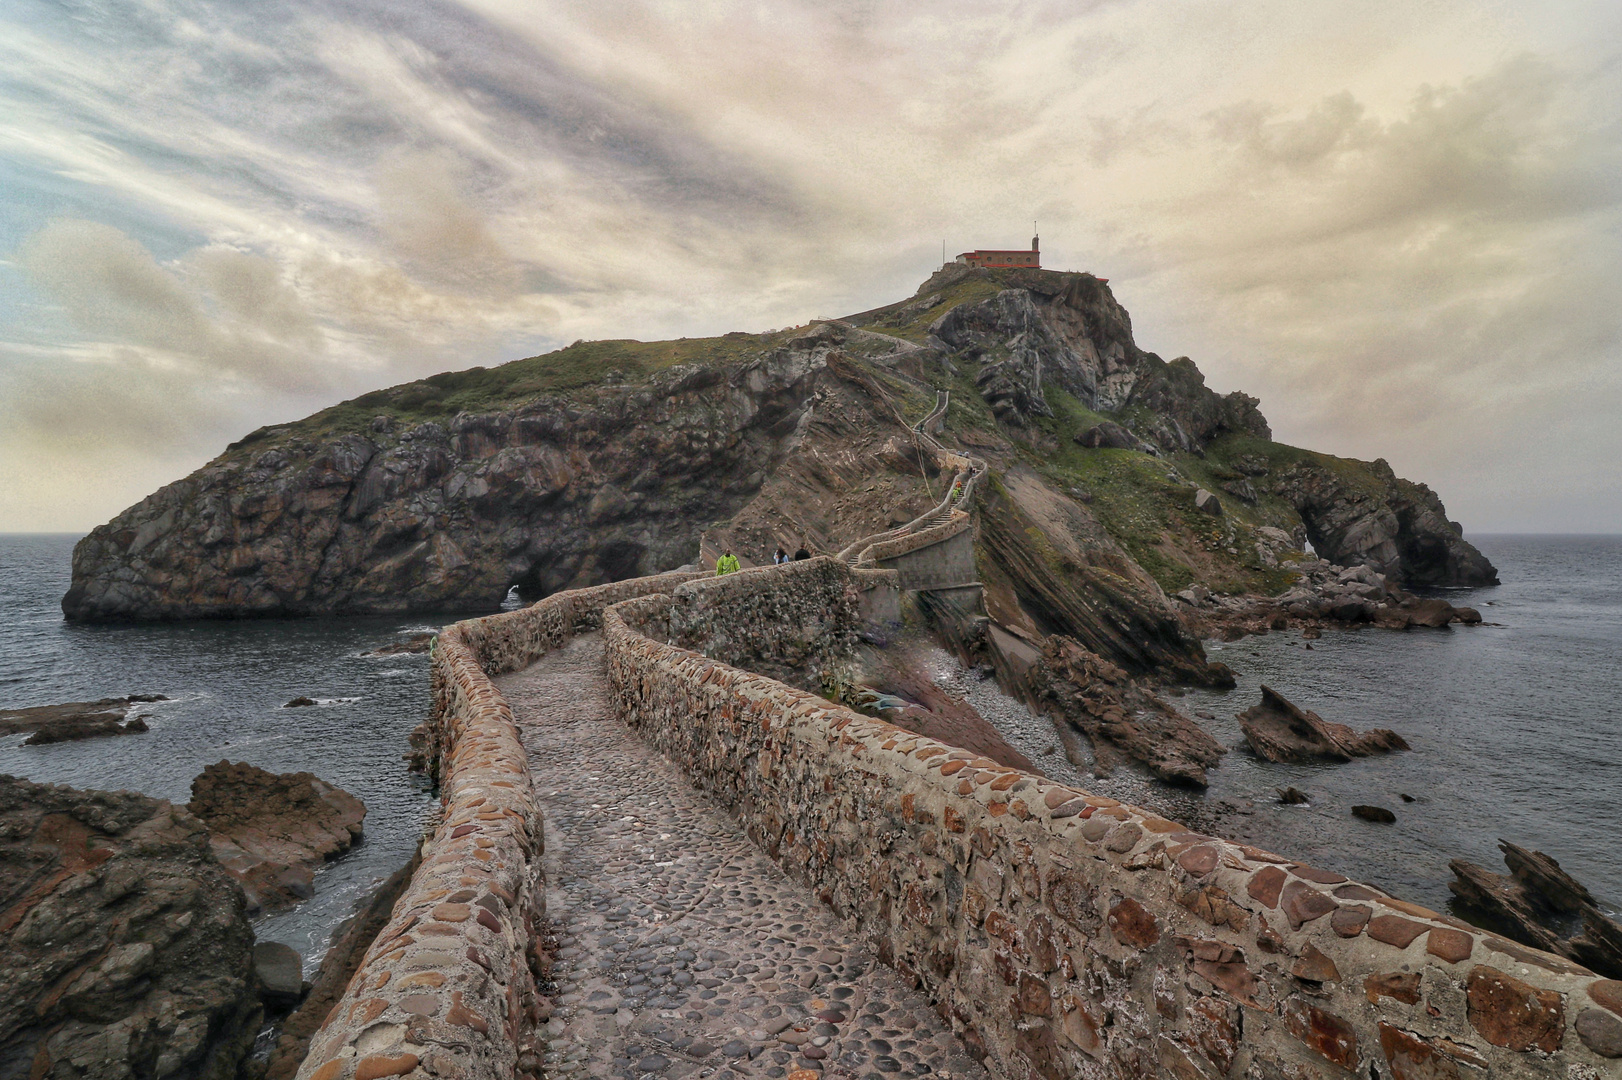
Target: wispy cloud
(1397, 224)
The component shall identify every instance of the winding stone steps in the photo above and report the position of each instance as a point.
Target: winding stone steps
(683, 949)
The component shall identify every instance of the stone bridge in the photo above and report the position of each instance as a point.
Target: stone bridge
(718, 872)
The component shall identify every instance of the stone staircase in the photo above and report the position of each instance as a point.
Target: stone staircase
(967, 470)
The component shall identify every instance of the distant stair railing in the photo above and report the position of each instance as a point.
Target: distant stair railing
(966, 469)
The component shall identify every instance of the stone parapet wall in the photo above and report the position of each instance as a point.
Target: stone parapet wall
(799, 621)
(1068, 935)
(448, 987)
(906, 545)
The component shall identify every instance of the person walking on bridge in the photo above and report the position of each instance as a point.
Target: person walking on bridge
(726, 564)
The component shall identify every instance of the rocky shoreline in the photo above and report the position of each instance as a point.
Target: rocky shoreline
(1323, 596)
(126, 947)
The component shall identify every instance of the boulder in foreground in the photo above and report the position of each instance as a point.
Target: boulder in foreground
(125, 949)
(1278, 731)
(272, 832)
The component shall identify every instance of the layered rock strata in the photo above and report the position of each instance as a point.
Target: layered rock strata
(272, 832)
(125, 950)
(1541, 905)
(1279, 731)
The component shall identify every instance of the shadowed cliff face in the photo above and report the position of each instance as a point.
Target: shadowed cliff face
(605, 484)
(608, 460)
(1396, 527)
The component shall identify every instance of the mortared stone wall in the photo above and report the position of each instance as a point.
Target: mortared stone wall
(1065, 934)
(447, 989)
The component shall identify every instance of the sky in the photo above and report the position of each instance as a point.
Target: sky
(1398, 223)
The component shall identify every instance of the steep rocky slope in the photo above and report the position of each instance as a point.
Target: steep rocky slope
(611, 459)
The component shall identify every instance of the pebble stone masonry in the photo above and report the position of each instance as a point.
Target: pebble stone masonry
(1056, 933)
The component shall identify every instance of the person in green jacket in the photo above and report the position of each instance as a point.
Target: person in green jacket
(726, 564)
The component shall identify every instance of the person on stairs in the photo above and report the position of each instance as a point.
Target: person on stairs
(779, 557)
(726, 564)
(801, 554)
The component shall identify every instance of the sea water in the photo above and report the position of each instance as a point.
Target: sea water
(229, 682)
(1515, 725)
(1516, 729)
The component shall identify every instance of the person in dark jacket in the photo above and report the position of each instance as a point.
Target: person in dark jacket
(801, 554)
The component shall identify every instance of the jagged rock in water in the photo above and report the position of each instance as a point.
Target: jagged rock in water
(1541, 905)
(1398, 528)
(76, 719)
(272, 832)
(126, 949)
(1278, 731)
(1377, 814)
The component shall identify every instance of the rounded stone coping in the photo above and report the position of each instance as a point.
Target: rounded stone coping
(447, 986)
(903, 545)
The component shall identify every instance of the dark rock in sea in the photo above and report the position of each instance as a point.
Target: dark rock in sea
(416, 643)
(75, 719)
(1405, 798)
(1430, 611)
(272, 832)
(350, 941)
(1467, 615)
(1539, 904)
(1292, 796)
(299, 702)
(279, 970)
(126, 949)
(1374, 813)
(1278, 731)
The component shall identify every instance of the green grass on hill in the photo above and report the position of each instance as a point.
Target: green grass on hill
(478, 389)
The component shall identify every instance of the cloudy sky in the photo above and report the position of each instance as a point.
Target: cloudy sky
(1398, 223)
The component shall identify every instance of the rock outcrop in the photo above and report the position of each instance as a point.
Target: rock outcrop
(76, 719)
(1323, 594)
(609, 482)
(1395, 527)
(1541, 905)
(125, 950)
(272, 832)
(1278, 731)
(608, 460)
(1122, 719)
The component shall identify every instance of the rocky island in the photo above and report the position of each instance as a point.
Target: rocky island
(611, 459)
(992, 464)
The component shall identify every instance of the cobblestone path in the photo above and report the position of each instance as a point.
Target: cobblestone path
(684, 951)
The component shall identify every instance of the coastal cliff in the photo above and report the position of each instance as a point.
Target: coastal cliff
(1116, 477)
